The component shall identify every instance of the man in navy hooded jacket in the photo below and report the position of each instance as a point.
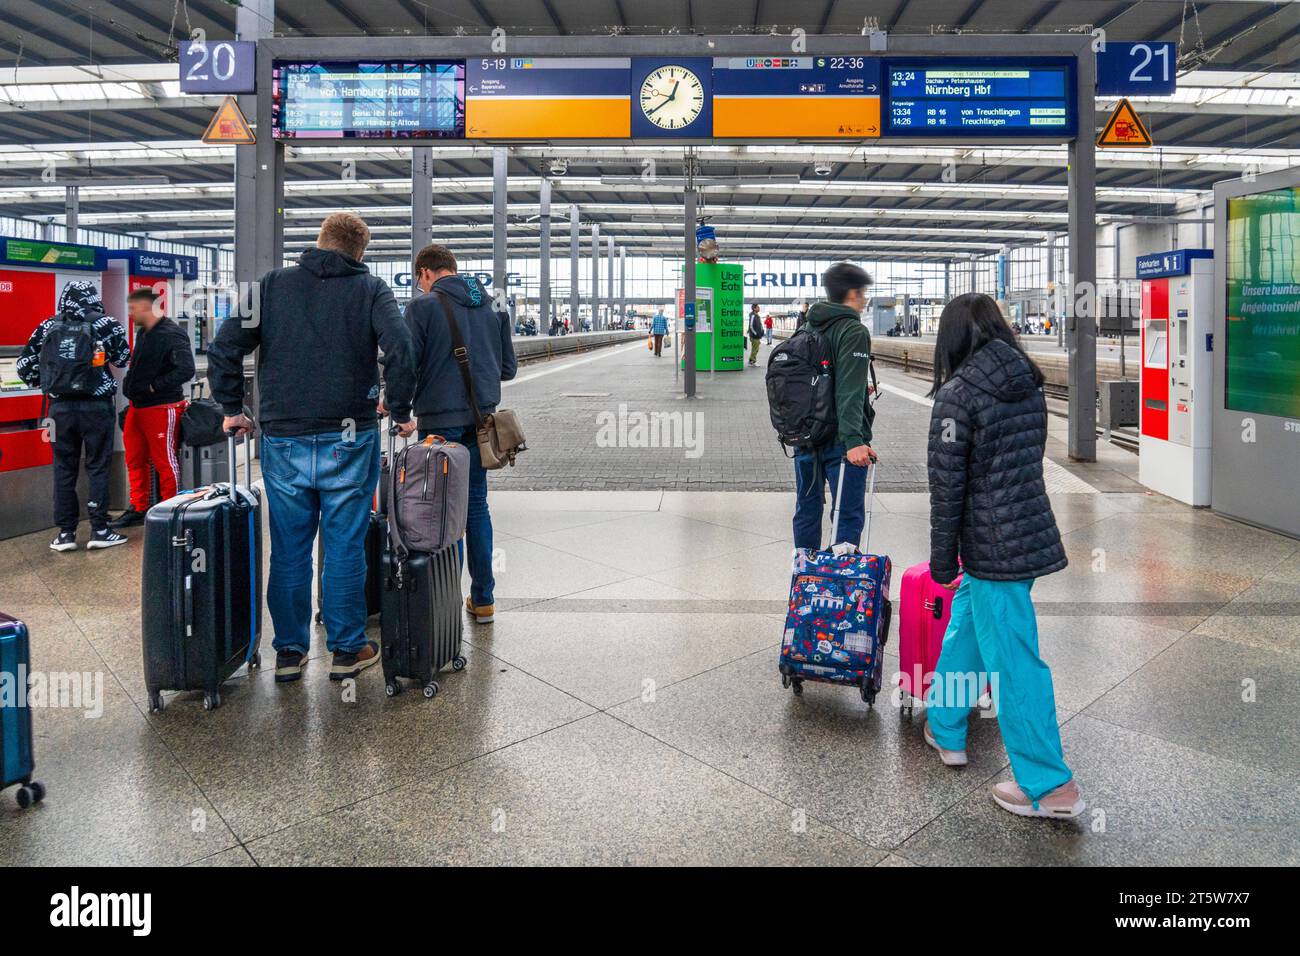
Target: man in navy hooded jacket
(318, 333)
(441, 404)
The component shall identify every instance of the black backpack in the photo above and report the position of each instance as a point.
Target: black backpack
(801, 390)
(67, 359)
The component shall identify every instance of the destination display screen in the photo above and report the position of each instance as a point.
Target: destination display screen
(1002, 97)
(548, 98)
(1263, 304)
(419, 99)
(811, 97)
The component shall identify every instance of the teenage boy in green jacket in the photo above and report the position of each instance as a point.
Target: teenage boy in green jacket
(839, 319)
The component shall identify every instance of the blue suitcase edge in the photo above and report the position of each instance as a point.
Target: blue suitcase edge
(843, 601)
(17, 761)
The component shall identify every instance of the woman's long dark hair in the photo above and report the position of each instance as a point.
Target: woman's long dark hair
(968, 323)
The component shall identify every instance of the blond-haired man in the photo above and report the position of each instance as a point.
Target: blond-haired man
(320, 328)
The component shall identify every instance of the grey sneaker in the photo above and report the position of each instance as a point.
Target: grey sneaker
(66, 541)
(950, 758)
(1065, 801)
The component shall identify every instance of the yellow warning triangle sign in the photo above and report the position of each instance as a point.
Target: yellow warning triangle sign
(1124, 130)
(229, 126)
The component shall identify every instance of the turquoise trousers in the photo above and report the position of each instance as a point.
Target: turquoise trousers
(992, 638)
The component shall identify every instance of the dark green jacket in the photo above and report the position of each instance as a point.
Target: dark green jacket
(850, 344)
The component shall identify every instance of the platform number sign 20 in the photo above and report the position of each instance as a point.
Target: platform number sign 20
(1137, 69)
(218, 66)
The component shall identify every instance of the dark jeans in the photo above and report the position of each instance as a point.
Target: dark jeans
(478, 520)
(82, 425)
(808, 483)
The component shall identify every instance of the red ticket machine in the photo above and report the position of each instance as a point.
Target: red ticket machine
(32, 275)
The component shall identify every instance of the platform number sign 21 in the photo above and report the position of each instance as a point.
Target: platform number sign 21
(218, 66)
(1137, 69)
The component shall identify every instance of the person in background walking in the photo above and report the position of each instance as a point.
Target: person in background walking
(659, 328)
(755, 333)
(803, 317)
(163, 362)
(989, 511)
(767, 328)
(67, 357)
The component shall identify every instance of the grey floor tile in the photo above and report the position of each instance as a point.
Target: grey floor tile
(592, 792)
(1194, 694)
(1266, 617)
(868, 773)
(1150, 803)
(235, 856)
(606, 657)
(526, 569)
(1090, 655)
(273, 755)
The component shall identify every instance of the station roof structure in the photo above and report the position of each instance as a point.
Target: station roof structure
(91, 89)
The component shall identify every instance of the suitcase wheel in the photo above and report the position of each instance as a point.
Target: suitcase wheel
(319, 618)
(256, 662)
(785, 680)
(431, 689)
(869, 695)
(212, 701)
(392, 688)
(796, 685)
(155, 702)
(29, 793)
(458, 663)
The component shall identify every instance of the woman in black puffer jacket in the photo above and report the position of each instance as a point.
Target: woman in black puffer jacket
(989, 510)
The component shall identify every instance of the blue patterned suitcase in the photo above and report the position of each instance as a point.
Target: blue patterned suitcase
(16, 760)
(837, 622)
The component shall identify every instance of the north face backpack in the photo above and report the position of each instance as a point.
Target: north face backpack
(68, 359)
(801, 390)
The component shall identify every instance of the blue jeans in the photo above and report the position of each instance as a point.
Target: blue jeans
(992, 637)
(319, 481)
(808, 496)
(478, 520)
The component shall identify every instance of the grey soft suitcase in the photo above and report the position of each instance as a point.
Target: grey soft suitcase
(428, 495)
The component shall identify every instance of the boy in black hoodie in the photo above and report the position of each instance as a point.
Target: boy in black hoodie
(319, 329)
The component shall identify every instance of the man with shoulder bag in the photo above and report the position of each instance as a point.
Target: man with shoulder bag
(463, 354)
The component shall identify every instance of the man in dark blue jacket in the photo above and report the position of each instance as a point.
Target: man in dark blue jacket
(441, 403)
(319, 329)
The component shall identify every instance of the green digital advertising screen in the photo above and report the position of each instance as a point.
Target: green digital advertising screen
(1263, 320)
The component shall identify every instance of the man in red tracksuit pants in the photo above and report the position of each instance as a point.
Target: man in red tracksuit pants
(161, 363)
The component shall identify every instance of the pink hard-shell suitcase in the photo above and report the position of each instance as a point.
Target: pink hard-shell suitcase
(924, 609)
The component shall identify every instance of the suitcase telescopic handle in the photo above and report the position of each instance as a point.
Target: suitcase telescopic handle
(871, 500)
(248, 460)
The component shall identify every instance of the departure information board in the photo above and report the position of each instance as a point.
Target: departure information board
(806, 97)
(418, 99)
(984, 97)
(548, 98)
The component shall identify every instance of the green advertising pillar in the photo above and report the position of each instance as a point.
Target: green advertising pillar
(720, 317)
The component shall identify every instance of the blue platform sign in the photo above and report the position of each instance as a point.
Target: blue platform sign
(163, 265)
(1137, 69)
(218, 66)
(984, 96)
(1160, 265)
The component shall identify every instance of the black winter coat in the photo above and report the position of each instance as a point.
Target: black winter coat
(988, 503)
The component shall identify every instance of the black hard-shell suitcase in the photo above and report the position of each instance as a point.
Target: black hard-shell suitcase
(421, 619)
(201, 589)
(16, 759)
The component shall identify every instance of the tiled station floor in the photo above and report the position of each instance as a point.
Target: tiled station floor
(625, 706)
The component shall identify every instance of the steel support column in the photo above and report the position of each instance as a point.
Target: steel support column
(500, 199)
(71, 211)
(421, 198)
(609, 284)
(575, 294)
(544, 259)
(622, 282)
(595, 277)
(1081, 326)
(688, 285)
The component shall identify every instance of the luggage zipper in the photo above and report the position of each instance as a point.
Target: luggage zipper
(424, 493)
(442, 517)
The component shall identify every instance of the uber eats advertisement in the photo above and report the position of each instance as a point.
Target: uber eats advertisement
(1263, 320)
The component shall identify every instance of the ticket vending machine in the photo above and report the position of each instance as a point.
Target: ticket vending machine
(1177, 372)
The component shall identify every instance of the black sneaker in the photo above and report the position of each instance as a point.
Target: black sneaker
(105, 538)
(66, 541)
(351, 663)
(288, 666)
(127, 518)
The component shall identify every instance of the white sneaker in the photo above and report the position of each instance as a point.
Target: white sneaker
(66, 541)
(1065, 801)
(105, 538)
(950, 758)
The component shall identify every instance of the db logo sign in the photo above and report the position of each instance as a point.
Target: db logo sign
(6, 287)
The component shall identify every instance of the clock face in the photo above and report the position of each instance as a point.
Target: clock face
(672, 97)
